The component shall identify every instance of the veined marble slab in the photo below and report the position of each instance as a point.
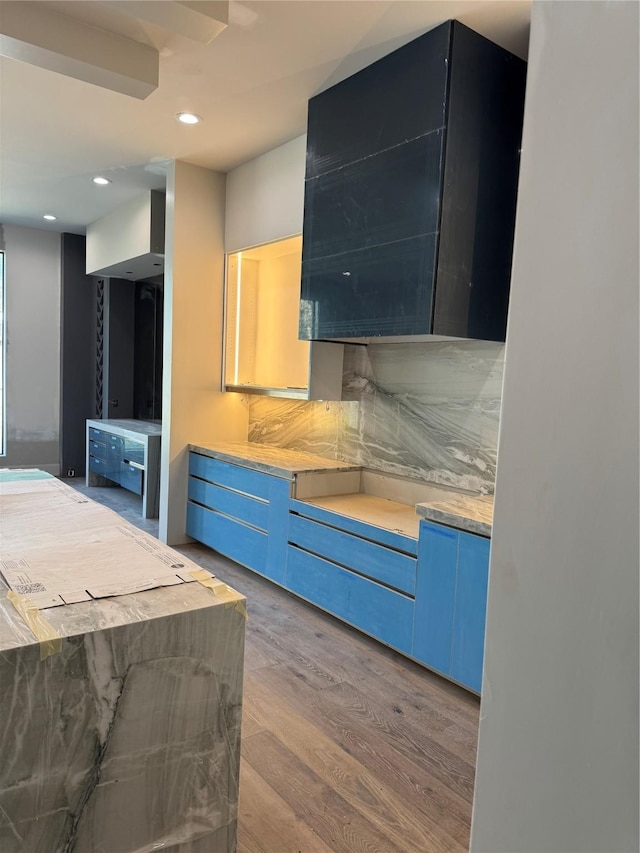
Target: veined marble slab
(129, 738)
(126, 738)
(429, 411)
(279, 461)
(465, 512)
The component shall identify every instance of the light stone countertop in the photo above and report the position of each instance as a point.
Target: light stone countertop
(271, 460)
(127, 427)
(471, 513)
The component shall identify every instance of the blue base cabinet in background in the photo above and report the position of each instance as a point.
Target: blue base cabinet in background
(451, 602)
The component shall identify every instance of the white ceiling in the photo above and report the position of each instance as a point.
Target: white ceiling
(250, 85)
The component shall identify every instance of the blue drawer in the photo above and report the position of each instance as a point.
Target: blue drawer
(374, 561)
(235, 540)
(375, 609)
(131, 478)
(250, 510)
(381, 535)
(132, 450)
(98, 466)
(236, 477)
(97, 449)
(97, 435)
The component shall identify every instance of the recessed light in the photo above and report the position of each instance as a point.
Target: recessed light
(49, 216)
(101, 181)
(188, 118)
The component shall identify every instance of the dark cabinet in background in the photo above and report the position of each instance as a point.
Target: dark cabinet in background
(410, 193)
(147, 350)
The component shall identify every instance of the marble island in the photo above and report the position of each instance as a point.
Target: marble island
(119, 717)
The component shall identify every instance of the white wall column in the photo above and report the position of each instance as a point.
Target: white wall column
(194, 407)
(558, 750)
(32, 304)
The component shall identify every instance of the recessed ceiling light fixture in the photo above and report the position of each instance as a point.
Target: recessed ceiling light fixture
(101, 181)
(188, 118)
(49, 216)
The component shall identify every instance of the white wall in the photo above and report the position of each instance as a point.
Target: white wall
(194, 407)
(265, 197)
(32, 259)
(558, 750)
(120, 236)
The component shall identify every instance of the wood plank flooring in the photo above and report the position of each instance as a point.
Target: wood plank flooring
(347, 746)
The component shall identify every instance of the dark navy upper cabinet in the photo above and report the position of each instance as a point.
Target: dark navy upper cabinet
(410, 193)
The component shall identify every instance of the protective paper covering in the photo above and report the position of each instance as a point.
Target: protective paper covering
(127, 740)
(60, 547)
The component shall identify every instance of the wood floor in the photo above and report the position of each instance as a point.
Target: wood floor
(346, 746)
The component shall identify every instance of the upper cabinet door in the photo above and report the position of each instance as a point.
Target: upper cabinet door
(393, 101)
(400, 187)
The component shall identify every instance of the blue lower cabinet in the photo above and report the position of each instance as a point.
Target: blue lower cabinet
(451, 602)
(278, 526)
(114, 458)
(435, 596)
(240, 513)
(235, 540)
(469, 620)
(431, 607)
(131, 477)
(390, 567)
(385, 614)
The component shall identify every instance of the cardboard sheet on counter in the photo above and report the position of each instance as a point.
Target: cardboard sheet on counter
(59, 547)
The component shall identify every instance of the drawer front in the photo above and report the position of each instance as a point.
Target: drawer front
(232, 476)
(374, 561)
(373, 608)
(388, 538)
(98, 466)
(243, 507)
(131, 478)
(97, 435)
(114, 459)
(132, 450)
(97, 449)
(235, 540)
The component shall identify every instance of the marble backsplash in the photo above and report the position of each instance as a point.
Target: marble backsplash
(429, 411)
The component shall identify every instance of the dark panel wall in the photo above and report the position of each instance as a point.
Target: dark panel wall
(147, 384)
(119, 348)
(77, 345)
